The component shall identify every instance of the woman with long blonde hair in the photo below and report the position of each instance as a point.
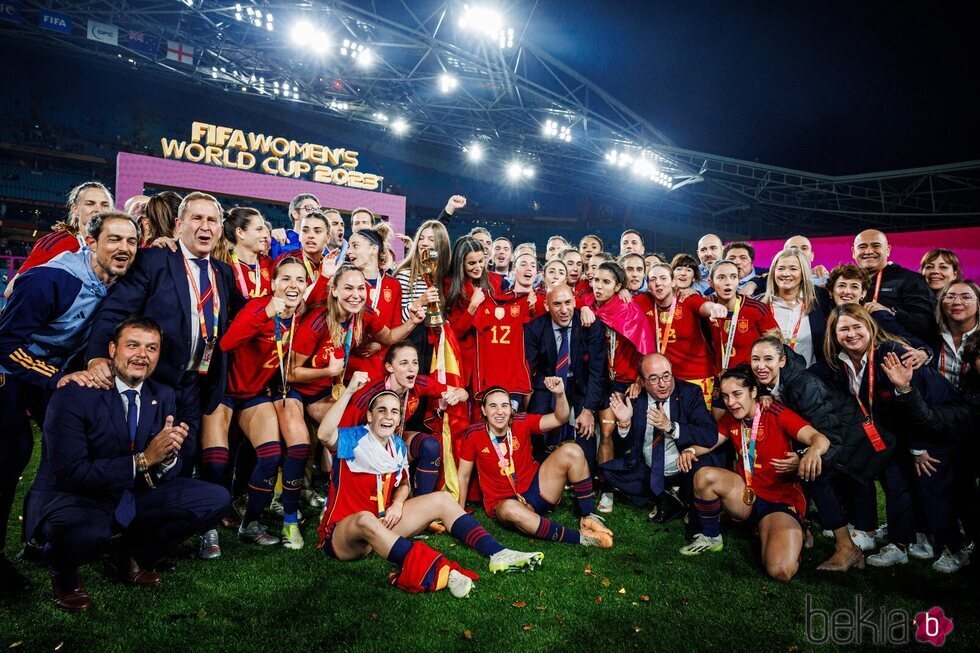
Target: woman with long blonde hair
(799, 307)
(430, 239)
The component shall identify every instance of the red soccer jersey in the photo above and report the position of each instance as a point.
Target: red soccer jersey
(251, 341)
(754, 319)
(48, 246)
(253, 280)
(583, 293)
(313, 341)
(352, 492)
(688, 351)
(477, 447)
(387, 304)
(778, 427)
(425, 386)
(500, 356)
(461, 322)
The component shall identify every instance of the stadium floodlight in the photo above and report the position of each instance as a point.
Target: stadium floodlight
(550, 128)
(487, 22)
(474, 152)
(518, 171)
(380, 117)
(303, 32)
(366, 58)
(399, 126)
(447, 82)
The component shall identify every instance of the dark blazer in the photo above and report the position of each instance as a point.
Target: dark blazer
(910, 297)
(157, 287)
(86, 455)
(630, 472)
(588, 363)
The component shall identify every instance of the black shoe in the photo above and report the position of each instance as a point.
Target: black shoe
(669, 508)
(165, 566)
(11, 580)
(32, 552)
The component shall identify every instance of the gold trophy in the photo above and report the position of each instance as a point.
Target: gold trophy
(430, 261)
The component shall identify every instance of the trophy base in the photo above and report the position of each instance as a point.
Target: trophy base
(435, 320)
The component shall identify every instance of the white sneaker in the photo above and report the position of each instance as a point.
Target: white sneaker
(292, 538)
(312, 498)
(881, 534)
(510, 560)
(275, 507)
(950, 563)
(863, 541)
(922, 549)
(459, 584)
(703, 544)
(888, 556)
(605, 503)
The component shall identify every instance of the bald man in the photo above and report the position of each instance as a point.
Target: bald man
(558, 331)
(903, 292)
(802, 243)
(710, 249)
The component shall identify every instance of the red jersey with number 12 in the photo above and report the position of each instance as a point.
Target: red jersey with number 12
(500, 358)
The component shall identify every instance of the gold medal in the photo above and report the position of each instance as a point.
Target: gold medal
(748, 496)
(338, 391)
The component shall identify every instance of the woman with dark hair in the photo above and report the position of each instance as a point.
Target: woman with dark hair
(314, 232)
(957, 315)
(244, 229)
(760, 492)
(687, 271)
(159, 216)
(365, 252)
(466, 288)
(939, 267)
(921, 411)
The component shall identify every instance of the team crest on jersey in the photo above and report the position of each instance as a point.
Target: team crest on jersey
(265, 273)
(499, 312)
(743, 325)
(387, 295)
(678, 313)
(413, 405)
(515, 310)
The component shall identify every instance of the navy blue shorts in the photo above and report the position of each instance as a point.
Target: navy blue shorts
(238, 404)
(306, 400)
(534, 499)
(327, 543)
(762, 508)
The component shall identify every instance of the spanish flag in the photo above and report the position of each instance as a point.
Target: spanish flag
(446, 367)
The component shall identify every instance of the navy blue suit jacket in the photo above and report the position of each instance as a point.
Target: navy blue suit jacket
(86, 455)
(587, 366)
(157, 287)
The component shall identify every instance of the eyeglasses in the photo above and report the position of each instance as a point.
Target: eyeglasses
(654, 380)
(966, 298)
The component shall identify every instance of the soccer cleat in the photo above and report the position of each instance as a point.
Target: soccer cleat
(862, 540)
(291, 536)
(594, 523)
(209, 548)
(239, 505)
(702, 544)
(436, 527)
(275, 507)
(312, 498)
(888, 556)
(599, 539)
(605, 502)
(922, 549)
(950, 563)
(510, 560)
(255, 533)
(459, 584)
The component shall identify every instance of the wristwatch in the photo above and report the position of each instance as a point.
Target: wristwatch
(672, 431)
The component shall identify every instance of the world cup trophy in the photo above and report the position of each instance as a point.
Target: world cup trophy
(430, 262)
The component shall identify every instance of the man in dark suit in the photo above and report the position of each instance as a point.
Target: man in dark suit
(666, 418)
(193, 298)
(581, 364)
(109, 468)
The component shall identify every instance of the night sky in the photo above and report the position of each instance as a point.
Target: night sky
(830, 88)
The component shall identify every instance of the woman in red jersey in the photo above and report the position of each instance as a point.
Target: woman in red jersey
(758, 492)
(747, 320)
(259, 340)
(314, 232)
(369, 509)
(466, 288)
(245, 230)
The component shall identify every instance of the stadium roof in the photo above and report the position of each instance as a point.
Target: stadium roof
(464, 80)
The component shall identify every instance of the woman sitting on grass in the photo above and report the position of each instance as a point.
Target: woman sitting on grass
(758, 493)
(368, 508)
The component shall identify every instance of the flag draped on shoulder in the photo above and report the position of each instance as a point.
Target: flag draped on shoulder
(628, 320)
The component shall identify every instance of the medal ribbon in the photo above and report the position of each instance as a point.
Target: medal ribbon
(254, 274)
(662, 343)
(727, 355)
(506, 464)
(796, 329)
(203, 300)
(383, 481)
(284, 360)
(376, 288)
(312, 274)
(612, 352)
(748, 448)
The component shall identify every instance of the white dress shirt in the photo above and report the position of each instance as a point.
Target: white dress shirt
(787, 317)
(195, 319)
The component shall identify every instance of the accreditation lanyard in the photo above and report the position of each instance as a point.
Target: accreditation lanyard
(942, 366)
(376, 288)
(870, 430)
(311, 273)
(505, 459)
(662, 342)
(729, 343)
(284, 359)
(348, 340)
(796, 329)
(874, 297)
(200, 309)
(384, 485)
(254, 274)
(748, 445)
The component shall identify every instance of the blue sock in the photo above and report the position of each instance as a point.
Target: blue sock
(399, 550)
(263, 480)
(427, 452)
(549, 530)
(293, 469)
(214, 465)
(584, 496)
(469, 531)
(710, 514)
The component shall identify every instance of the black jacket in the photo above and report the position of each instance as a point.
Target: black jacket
(587, 366)
(910, 297)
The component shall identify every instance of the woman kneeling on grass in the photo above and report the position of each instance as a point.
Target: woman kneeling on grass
(758, 493)
(368, 508)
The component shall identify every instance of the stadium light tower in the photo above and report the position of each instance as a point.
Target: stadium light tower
(447, 82)
(399, 126)
(474, 152)
(488, 22)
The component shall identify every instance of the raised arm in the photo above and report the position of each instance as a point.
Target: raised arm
(327, 432)
(553, 420)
